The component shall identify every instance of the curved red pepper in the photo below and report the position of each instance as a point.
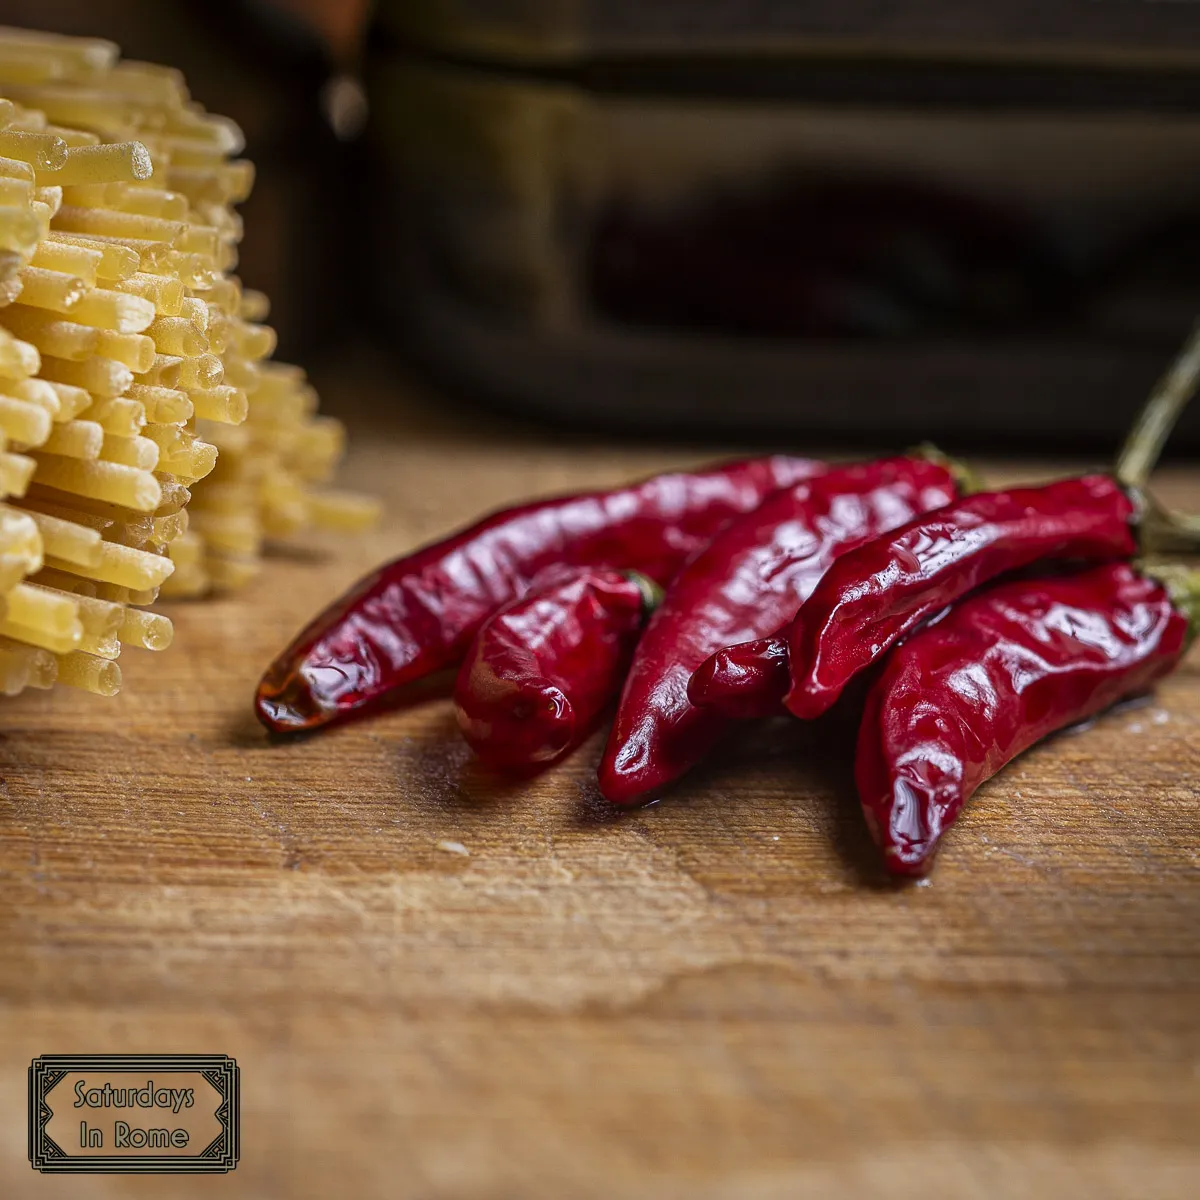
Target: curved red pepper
(745, 681)
(416, 615)
(873, 596)
(1002, 670)
(743, 585)
(542, 670)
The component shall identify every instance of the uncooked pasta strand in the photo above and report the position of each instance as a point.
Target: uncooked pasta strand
(122, 416)
(132, 452)
(24, 422)
(35, 668)
(103, 377)
(150, 631)
(50, 332)
(229, 573)
(127, 486)
(60, 643)
(20, 539)
(203, 371)
(67, 540)
(13, 168)
(112, 309)
(163, 405)
(14, 674)
(51, 197)
(254, 341)
(163, 292)
(117, 161)
(89, 674)
(134, 350)
(16, 470)
(19, 228)
(192, 463)
(38, 609)
(239, 535)
(192, 270)
(225, 404)
(177, 335)
(196, 311)
(36, 391)
(12, 570)
(170, 439)
(149, 201)
(75, 439)
(73, 137)
(108, 646)
(51, 289)
(42, 151)
(117, 261)
(114, 223)
(15, 193)
(71, 401)
(99, 618)
(166, 529)
(124, 566)
(18, 359)
(345, 512)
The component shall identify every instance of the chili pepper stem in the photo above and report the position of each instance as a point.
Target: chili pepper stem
(1159, 415)
(1181, 531)
(1161, 531)
(652, 593)
(1183, 586)
(967, 478)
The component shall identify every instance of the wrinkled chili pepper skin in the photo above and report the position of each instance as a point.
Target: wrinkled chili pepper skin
(875, 595)
(1002, 670)
(543, 669)
(417, 614)
(743, 682)
(745, 584)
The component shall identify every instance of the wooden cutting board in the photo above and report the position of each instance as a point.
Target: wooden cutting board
(437, 986)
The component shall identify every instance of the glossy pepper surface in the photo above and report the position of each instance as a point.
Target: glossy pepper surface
(744, 681)
(881, 591)
(745, 584)
(542, 670)
(1002, 670)
(416, 615)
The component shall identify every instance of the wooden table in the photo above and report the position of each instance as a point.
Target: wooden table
(717, 997)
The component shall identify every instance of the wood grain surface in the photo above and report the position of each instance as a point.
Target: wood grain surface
(716, 997)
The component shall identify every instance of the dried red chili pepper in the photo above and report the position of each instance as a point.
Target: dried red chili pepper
(744, 681)
(416, 615)
(872, 597)
(1002, 670)
(878, 593)
(543, 669)
(747, 581)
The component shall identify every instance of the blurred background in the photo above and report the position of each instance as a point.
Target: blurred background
(718, 219)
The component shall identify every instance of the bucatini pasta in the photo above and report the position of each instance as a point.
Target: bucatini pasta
(147, 442)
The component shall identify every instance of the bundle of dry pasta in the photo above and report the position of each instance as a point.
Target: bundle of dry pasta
(147, 444)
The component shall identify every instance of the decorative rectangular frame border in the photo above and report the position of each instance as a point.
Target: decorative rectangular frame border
(219, 1156)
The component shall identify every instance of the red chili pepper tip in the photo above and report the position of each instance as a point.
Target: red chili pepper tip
(743, 682)
(542, 670)
(525, 727)
(745, 584)
(1006, 667)
(876, 594)
(418, 614)
(911, 839)
(289, 706)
